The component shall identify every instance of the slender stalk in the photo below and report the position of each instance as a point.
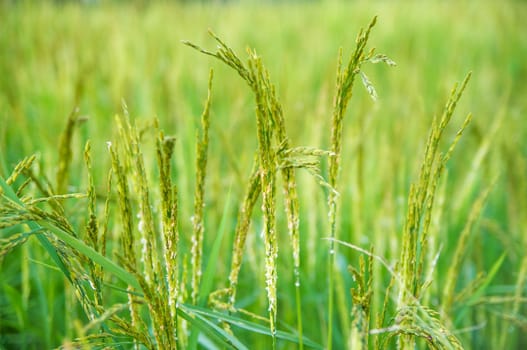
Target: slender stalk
(199, 196)
(345, 81)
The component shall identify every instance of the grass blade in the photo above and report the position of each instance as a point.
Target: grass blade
(251, 326)
(93, 255)
(479, 292)
(209, 328)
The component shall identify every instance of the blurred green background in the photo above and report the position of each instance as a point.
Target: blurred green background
(55, 57)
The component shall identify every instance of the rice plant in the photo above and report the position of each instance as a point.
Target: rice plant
(146, 242)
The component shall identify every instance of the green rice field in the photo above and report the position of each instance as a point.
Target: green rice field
(263, 175)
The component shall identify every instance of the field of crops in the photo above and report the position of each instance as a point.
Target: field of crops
(254, 176)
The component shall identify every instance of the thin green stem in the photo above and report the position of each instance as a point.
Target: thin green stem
(299, 315)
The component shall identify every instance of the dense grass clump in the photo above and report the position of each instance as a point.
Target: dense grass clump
(267, 204)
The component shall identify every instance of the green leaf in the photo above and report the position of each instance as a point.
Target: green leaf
(16, 304)
(482, 288)
(250, 326)
(209, 328)
(89, 252)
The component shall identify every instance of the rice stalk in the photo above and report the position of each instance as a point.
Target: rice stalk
(420, 204)
(258, 79)
(154, 286)
(65, 152)
(361, 299)
(199, 203)
(344, 91)
(127, 239)
(290, 196)
(145, 226)
(182, 324)
(19, 169)
(92, 229)
(461, 247)
(159, 291)
(170, 242)
(252, 194)
(267, 160)
(430, 201)
(106, 212)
